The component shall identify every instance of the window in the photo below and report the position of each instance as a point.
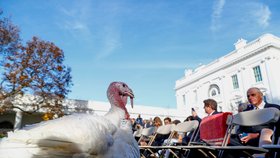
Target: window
(257, 73)
(214, 90)
(235, 81)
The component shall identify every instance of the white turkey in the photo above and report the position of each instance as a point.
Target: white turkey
(79, 135)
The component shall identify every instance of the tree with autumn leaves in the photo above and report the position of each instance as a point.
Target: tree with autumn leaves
(33, 76)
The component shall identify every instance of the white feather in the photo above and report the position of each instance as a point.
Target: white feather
(77, 135)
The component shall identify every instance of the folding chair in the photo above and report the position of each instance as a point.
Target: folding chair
(184, 127)
(274, 146)
(213, 128)
(274, 149)
(212, 131)
(249, 118)
(146, 134)
(161, 130)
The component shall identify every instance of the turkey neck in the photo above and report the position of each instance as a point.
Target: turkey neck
(115, 115)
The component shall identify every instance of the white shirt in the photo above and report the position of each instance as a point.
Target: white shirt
(261, 106)
(211, 113)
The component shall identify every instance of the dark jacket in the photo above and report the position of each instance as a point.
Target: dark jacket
(257, 129)
(199, 119)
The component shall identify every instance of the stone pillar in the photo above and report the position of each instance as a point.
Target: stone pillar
(18, 119)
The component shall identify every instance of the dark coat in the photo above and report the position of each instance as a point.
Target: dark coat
(199, 119)
(255, 129)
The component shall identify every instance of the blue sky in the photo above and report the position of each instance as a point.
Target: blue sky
(147, 44)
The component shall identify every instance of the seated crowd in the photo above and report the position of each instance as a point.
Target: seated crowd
(243, 136)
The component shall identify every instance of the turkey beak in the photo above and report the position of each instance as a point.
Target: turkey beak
(131, 102)
(131, 95)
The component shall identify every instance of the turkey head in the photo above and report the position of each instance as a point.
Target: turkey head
(117, 94)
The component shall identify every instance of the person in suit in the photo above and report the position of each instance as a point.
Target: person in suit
(149, 123)
(210, 108)
(139, 120)
(250, 135)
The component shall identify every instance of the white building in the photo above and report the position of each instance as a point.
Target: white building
(227, 79)
(16, 119)
(101, 108)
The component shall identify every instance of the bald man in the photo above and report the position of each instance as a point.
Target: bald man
(255, 98)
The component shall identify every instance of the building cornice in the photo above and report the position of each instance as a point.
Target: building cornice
(242, 54)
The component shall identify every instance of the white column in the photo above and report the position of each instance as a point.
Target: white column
(224, 93)
(247, 80)
(18, 119)
(272, 73)
(242, 82)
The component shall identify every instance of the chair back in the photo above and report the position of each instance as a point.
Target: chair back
(213, 128)
(253, 118)
(256, 117)
(163, 130)
(187, 126)
(146, 133)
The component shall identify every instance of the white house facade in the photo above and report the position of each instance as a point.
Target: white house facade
(253, 64)
(101, 108)
(16, 119)
(226, 80)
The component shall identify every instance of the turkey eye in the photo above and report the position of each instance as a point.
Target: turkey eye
(123, 85)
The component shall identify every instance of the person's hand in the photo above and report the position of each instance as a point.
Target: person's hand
(249, 137)
(194, 114)
(143, 143)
